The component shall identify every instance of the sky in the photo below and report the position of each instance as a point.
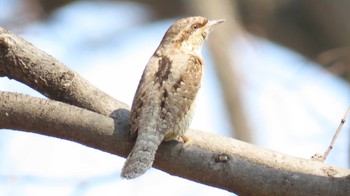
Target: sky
(293, 105)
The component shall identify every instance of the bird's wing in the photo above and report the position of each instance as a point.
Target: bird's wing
(166, 95)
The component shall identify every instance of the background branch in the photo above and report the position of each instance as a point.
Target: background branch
(226, 65)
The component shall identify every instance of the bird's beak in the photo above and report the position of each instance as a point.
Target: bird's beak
(215, 22)
(211, 23)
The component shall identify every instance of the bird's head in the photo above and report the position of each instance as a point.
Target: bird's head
(188, 34)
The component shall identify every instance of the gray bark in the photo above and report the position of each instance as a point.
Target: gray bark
(213, 160)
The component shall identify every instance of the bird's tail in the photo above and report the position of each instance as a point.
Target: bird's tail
(142, 155)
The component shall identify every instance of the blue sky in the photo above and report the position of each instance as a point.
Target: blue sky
(293, 105)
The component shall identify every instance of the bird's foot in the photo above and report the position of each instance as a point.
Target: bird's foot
(186, 142)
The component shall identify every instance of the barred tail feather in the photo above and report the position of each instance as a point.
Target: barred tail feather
(142, 155)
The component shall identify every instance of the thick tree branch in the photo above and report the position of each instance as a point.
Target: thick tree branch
(217, 161)
(57, 119)
(22, 61)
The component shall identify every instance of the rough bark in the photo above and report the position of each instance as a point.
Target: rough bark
(213, 160)
(21, 61)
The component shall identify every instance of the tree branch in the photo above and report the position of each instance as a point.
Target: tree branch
(22, 61)
(213, 160)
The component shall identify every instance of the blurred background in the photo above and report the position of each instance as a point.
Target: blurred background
(277, 75)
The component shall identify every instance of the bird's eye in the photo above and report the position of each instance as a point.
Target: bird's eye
(194, 26)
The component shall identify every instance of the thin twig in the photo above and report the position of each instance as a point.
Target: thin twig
(342, 122)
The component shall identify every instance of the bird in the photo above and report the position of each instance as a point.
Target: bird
(163, 104)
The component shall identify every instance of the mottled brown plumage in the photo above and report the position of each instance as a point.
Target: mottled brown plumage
(163, 104)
